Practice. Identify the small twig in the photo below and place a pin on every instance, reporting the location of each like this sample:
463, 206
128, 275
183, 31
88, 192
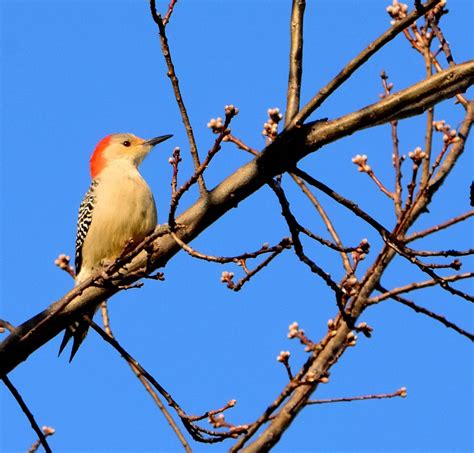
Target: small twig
402, 392
146, 384
240, 144
47, 431
412, 185
399, 248
439, 227
177, 92
63, 262
174, 160
199, 170
167, 17
27, 412
425, 311
298, 248
361, 161
195, 431
195, 418
6, 325
396, 159
227, 276
327, 221
440, 252
343, 201
283, 244
418, 285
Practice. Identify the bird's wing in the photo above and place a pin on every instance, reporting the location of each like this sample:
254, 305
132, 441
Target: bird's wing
83, 222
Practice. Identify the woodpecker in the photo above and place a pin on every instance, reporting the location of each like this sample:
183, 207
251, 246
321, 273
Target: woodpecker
118, 207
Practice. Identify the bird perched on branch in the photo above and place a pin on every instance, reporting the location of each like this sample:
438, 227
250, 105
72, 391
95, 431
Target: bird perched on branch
117, 208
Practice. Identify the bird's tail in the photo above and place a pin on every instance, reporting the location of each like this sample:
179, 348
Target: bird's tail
78, 332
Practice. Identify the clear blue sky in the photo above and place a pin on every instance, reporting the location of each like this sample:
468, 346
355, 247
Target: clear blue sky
73, 72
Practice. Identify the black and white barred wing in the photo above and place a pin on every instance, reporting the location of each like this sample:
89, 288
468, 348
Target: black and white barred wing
84, 222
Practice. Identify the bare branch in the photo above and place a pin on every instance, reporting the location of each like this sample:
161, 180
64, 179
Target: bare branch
177, 91
296, 60
360, 59
47, 431
145, 383
435, 316
167, 17
439, 227
418, 285
402, 392
177, 194
27, 412
195, 431
274, 160
326, 220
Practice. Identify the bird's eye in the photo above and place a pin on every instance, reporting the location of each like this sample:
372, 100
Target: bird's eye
126, 143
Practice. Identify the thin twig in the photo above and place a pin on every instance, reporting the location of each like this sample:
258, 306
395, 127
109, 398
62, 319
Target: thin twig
283, 244
298, 248
425, 311
195, 431
418, 285
296, 60
440, 252
429, 125
47, 431
240, 144
343, 201
27, 412
250, 273
6, 325
326, 220
146, 384
175, 198
167, 17
401, 392
441, 226
177, 93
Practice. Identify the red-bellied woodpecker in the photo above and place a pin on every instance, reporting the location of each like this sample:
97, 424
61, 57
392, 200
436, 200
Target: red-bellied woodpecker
117, 208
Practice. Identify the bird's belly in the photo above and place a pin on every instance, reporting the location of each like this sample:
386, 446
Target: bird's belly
127, 213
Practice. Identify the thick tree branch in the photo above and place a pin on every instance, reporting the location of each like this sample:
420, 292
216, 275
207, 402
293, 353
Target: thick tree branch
279, 157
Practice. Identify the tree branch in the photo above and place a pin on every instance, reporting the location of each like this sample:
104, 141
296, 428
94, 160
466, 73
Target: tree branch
277, 158
27, 412
296, 60
360, 59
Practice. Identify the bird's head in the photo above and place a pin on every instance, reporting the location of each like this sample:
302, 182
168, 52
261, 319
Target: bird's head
121, 147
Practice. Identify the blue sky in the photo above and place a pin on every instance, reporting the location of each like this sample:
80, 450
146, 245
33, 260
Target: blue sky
73, 72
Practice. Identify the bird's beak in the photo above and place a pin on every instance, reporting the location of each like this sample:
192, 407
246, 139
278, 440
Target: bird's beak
156, 140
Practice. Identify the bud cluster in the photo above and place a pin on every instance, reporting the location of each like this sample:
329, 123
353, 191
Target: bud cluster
62, 261
231, 110
283, 356
402, 392
216, 125
417, 155
270, 127
176, 157
293, 330
226, 277
449, 135
397, 11
361, 161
